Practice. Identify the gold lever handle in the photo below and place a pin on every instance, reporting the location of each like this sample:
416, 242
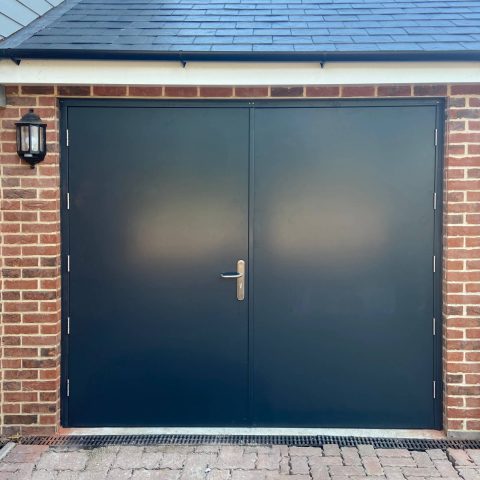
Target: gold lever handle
239, 275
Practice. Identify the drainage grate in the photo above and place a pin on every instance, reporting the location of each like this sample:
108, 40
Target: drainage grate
91, 441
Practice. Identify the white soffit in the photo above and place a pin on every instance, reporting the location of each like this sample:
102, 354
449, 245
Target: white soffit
101, 72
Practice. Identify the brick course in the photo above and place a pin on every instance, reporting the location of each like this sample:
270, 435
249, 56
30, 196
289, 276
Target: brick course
30, 244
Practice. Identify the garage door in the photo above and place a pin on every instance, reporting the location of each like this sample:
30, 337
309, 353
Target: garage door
267, 264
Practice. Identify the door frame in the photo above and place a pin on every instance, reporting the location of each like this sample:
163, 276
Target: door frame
437, 244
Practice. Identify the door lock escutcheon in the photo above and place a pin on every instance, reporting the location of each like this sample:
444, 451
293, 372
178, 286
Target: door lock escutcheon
239, 275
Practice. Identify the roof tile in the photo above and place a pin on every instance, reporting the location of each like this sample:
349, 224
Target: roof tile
263, 25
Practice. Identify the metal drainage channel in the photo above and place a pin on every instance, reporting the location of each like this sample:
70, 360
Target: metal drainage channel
91, 441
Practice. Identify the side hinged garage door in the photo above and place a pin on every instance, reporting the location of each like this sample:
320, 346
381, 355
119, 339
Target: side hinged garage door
252, 263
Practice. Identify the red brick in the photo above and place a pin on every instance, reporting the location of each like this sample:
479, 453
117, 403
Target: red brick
353, 91
216, 91
19, 419
466, 89
109, 91
430, 90
322, 91
145, 91
251, 92
38, 90
287, 91
181, 91
74, 91
394, 91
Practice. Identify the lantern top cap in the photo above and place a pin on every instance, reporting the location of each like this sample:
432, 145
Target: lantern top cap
30, 118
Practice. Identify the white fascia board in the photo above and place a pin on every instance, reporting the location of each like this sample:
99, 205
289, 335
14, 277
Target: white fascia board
101, 72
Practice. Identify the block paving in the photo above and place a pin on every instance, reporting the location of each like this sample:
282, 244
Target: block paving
215, 462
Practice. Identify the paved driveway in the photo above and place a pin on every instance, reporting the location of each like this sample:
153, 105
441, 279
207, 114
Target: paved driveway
237, 463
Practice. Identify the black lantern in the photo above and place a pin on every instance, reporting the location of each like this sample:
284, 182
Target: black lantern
31, 138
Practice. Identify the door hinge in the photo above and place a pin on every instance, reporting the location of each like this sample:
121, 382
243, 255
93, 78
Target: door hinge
434, 326
68, 263
434, 266
68, 387
68, 138
434, 389
68, 200
436, 136
434, 200
68, 325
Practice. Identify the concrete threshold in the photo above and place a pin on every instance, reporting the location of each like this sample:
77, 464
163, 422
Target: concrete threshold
337, 432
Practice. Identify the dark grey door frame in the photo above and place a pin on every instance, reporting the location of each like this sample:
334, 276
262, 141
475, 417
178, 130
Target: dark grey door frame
437, 245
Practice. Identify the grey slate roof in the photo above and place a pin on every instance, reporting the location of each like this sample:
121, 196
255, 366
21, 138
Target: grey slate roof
246, 26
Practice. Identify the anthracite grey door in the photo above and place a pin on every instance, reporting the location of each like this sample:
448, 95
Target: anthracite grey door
158, 210
331, 207
342, 269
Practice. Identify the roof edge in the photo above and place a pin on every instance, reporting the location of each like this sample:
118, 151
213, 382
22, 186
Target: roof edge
17, 55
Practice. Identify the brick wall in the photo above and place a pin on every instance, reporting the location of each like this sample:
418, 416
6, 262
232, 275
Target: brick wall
30, 245
30, 253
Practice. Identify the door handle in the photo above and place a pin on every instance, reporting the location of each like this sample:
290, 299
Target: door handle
239, 276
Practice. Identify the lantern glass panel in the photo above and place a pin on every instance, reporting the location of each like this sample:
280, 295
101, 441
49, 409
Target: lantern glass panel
25, 138
34, 138
41, 138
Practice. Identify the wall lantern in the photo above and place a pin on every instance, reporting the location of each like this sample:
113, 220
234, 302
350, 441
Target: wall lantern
31, 138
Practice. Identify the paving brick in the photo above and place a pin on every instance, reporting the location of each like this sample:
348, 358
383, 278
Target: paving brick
393, 473
196, 465
436, 454
366, 451
350, 456
267, 461
394, 452
467, 473
235, 458
156, 474
119, 474
445, 468
91, 475
474, 455
372, 466
305, 451
23, 470
43, 475
69, 475
101, 460
129, 457
299, 465
285, 465
275, 476
422, 459
331, 450
323, 461
218, 475
420, 472
397, 462
459, 457
52, 460
346, 470
172, 460
248, 475
319, 472
207, 449
151, 460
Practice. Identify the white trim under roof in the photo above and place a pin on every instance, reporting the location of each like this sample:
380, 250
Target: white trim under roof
109, 72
